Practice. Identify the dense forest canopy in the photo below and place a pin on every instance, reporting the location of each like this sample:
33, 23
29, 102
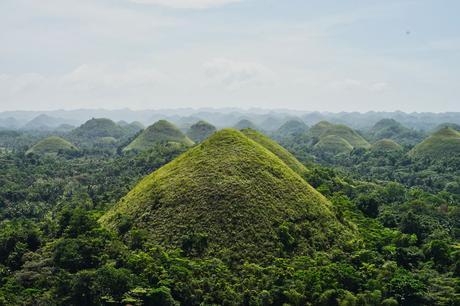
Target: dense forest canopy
119, 212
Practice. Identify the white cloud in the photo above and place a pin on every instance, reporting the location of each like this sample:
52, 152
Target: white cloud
235, 74
187, 4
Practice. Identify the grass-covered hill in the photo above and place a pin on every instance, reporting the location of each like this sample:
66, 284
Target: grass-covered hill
318, 129
245, 124
231, 198
51, 145
447, 124
291, 128
200, 131
333, 144
324, 129
394, 130
161, 131
276, 149
443, 143
386, 145
98, 128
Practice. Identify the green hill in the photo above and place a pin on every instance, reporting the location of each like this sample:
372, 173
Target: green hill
51, 145
447, 124
160, 132
97, 128
291, 128
386, 145
276, 149
200, 131
392, 129
333, 144
231, 198
319, 128
343, 131
245, 124
443, 143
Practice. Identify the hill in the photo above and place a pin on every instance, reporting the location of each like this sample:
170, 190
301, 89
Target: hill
98, 128
276, 149
392, 129
447, 124
231, 198
343, 131
333, 144
386, 145
44, 122
245, 124
200, 131
443, 143
160, 132
291, 128
51, 145
318, 129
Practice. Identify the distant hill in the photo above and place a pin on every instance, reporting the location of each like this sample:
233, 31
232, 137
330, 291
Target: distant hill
443, 143
200, 131
319, 128
230, 198
333, 144
160, 132
392, 129
44, 122
98, 128
51, 145
386, 145
245, 124
291, 128
324, 129
9, 123
447, 124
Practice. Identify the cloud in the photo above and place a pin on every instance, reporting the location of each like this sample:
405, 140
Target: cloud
235, 74
187, 4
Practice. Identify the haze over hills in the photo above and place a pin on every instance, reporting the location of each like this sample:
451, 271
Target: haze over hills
234, 195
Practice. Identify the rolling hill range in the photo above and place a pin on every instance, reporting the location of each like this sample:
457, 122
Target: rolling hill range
200, 131
160, 132
443, 143
51, 145
231, 198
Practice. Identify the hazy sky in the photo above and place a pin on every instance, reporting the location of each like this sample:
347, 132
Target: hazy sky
311, 55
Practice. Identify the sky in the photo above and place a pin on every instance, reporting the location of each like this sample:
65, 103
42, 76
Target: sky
328, 55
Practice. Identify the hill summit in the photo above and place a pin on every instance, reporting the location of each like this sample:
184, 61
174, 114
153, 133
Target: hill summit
443, 143
386, 145
51, 145
161, 131
98, 128
232, 198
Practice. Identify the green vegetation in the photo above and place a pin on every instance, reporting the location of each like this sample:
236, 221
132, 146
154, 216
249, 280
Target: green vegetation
333, 144
200, 131
386, 145
392, 129
97, 128
443, 143
351, 136
231, 221
52, 145
291, 128
160, 132
247, 193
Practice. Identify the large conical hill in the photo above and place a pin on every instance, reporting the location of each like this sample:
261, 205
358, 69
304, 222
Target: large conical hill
96, 128
443, 143
160, 132
347, 133
51, 145
232, 198
386, 145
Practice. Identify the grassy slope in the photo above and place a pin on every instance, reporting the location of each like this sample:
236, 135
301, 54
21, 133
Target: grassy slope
333, 144
161, 131
237, 193
353, 138
443, 143
52, 144
386, 145
99, 127
276, 149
